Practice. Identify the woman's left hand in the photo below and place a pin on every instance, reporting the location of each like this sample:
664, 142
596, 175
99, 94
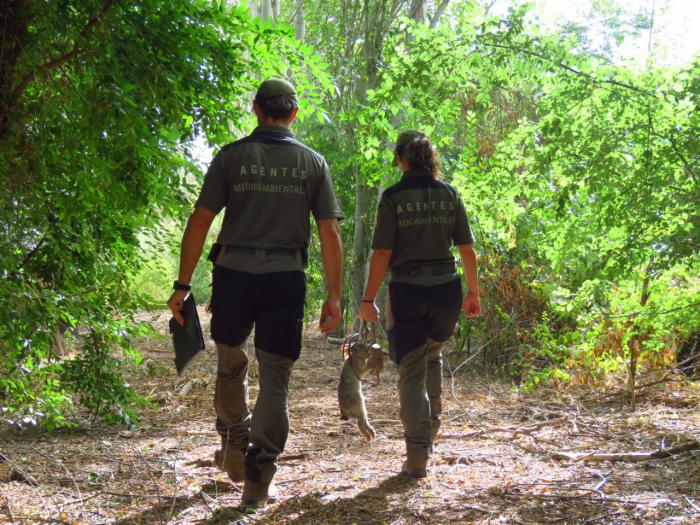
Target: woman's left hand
369, 312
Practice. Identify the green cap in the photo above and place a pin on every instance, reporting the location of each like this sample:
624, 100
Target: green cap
277, 92
402, 141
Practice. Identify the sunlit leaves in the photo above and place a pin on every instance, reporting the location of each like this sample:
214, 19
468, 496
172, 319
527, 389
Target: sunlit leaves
98, 151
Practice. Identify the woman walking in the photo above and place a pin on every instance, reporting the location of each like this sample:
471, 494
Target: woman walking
418, 220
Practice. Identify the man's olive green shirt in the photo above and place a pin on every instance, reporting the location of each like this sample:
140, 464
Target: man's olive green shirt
419, 219
269, 183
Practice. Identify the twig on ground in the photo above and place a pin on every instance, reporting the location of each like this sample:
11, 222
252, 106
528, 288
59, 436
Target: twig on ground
456, 400
515, 430
150, 474
471, 357
632, 457
204, 497
16, 473
476, 508
172, 503
70, 475
690, 502
666, 378
140, 496
397, 520
295, 480
601, 484
620, 437
81, 500
292, 457
8, 508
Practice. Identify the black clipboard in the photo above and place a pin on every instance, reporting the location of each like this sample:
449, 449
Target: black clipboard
188, 340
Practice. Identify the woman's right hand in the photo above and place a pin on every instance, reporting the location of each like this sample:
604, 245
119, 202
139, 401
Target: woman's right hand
369, 312
471, 305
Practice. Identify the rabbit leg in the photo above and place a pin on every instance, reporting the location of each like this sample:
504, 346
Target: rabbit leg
363, 423
366, 429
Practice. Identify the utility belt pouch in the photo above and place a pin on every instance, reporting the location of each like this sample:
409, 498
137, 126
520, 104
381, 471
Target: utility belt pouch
214, 252
304, 256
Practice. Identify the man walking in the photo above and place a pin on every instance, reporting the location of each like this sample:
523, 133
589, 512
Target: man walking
268, 182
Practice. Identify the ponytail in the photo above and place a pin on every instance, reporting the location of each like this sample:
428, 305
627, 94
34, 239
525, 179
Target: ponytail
420, 154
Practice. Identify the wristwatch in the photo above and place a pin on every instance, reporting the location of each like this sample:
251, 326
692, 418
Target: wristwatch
177, 285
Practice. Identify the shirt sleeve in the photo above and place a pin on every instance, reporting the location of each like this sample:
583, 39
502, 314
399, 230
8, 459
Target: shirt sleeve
324, 204
384, 237
462, 231
214, 194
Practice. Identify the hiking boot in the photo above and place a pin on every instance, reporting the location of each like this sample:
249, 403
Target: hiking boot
258, 494
415, 468
232, 462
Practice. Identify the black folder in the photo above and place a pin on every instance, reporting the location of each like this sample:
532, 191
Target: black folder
187, 339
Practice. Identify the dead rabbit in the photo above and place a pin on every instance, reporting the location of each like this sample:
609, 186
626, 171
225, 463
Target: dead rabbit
362, 359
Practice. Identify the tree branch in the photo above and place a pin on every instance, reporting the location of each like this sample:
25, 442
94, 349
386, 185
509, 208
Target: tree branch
60, 60
651, 312
435, 20
572, 69
678, 153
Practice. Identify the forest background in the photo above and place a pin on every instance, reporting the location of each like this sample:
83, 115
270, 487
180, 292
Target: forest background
579, 169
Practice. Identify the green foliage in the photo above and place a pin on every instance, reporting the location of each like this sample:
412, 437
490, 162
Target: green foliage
580, 168
96, 374
580, 175
99, 106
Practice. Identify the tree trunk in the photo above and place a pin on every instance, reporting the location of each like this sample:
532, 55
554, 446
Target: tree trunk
435, 20
373, 37
375, 27
275, 10
417, 11
635, 342
300, 22
14, 22
360, 241
265, 10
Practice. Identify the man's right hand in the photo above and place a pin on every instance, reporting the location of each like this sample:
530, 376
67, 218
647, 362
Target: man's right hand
471, 305
330, 315
177, 299
369, 312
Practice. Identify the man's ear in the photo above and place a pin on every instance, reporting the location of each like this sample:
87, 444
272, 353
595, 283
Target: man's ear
256, 108
294, 114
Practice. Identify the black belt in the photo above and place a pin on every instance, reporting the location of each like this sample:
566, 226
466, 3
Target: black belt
410, 270
291, 252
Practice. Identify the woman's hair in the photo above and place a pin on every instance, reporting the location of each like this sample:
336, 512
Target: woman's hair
419, 153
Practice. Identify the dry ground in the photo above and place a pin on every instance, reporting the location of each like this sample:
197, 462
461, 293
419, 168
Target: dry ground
496, 462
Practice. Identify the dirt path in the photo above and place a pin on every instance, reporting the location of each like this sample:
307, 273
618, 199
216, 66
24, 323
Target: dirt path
495, 463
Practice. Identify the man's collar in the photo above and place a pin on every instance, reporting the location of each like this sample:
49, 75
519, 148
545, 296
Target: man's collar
417, 173
274, 129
